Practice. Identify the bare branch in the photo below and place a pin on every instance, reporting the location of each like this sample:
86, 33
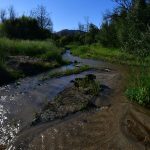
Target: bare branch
43, 18
12, 13
3, 14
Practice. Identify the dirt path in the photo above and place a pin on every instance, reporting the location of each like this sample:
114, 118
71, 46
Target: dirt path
122, 126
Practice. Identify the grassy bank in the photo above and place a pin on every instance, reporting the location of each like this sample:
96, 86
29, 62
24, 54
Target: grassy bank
67, 72
27, 58
44, 49
96, 51
138, 88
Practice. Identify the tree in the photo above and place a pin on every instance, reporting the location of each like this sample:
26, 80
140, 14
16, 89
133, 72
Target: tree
87, 23
124, 4
3, 15
12, 13
93, 28
81, 27
24, 28
43, 18
92, 34
134, 25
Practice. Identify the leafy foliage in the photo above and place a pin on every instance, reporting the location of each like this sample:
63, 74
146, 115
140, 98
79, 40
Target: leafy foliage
24, 28
130, 21
139, 89
36, 26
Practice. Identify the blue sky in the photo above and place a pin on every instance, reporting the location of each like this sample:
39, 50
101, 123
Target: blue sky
65, 13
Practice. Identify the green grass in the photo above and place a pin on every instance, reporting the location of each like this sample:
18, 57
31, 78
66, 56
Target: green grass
138, 89
67, 72
29, 48
96, 51
8, 75
93, 87
46, 50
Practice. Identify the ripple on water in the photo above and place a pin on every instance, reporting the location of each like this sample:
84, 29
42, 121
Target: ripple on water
8, 130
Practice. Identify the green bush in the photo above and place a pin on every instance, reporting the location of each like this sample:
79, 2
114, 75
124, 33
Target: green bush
140, 95
139, 89
24, 28
138, 43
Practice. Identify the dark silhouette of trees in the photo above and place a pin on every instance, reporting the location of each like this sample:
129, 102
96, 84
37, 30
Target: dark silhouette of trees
11, 13
43, 18
3, 14
39, 26
81, 27
24, 28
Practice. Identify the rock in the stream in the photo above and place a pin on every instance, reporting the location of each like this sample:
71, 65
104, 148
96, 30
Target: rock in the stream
107, 70
75, 62
78, 65
91, 77
104, 88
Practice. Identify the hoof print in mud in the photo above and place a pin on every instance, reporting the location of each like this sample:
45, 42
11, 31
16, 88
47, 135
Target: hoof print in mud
137, 128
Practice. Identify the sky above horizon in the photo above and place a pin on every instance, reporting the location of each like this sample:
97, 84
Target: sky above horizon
65, 14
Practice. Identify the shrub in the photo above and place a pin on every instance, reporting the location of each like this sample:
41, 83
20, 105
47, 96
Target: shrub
139, 89
26, 47
24, 28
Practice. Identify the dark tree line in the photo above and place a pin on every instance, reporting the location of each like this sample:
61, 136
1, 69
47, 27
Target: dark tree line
128, 27
36, 26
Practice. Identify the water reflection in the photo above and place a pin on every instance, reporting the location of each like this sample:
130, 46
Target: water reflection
8, 130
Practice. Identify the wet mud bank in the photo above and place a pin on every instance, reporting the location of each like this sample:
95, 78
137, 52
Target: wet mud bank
22, 66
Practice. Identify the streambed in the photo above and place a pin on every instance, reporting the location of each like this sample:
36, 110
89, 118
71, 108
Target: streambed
105, 128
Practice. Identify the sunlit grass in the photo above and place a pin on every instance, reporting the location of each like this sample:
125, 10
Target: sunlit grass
138, 89
96, 51
29, 48
69, 71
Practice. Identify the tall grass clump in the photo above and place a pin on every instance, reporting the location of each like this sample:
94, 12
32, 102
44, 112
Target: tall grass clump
97, 51
138, 89
70, 71
27, 47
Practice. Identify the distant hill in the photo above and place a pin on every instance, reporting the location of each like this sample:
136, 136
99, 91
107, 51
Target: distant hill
68, 32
